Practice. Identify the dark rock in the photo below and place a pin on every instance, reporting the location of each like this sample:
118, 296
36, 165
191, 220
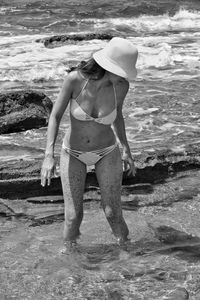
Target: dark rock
21, 178
28, 187
186, 246
142, 188
156, 167
172, 236
23, 110
131, 204
59, 40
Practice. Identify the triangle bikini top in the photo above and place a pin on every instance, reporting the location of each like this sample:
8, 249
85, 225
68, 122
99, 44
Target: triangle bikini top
79, 114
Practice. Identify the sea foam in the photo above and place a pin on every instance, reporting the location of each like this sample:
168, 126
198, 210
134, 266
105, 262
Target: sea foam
162, 42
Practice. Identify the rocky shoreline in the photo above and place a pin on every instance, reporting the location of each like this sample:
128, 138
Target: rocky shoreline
21, 178
23, 110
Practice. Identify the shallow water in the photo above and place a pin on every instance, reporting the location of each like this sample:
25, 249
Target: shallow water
163, 253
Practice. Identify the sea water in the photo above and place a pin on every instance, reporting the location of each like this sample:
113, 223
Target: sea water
162, 105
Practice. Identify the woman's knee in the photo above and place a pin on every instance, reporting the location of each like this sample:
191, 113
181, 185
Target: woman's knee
73, 216
112, 214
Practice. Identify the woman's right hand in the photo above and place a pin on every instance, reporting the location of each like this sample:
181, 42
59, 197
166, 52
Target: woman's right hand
47, 170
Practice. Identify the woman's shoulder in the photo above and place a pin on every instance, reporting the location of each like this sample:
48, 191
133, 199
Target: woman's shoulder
122, 87
73, 78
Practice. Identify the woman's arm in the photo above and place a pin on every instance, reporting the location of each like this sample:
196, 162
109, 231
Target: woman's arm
57, 112
54, 121
119, 127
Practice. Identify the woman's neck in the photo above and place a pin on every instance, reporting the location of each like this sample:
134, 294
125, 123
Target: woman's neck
102, 82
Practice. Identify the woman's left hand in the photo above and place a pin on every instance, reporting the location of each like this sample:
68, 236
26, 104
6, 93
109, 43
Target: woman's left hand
129, 164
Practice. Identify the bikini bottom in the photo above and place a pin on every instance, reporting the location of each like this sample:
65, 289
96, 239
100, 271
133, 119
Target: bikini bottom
90, 157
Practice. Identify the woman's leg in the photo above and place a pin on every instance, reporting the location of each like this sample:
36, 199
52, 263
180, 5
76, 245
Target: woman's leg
109, 174
73, 175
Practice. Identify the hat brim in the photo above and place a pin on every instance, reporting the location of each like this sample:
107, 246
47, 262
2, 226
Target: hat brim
109, 65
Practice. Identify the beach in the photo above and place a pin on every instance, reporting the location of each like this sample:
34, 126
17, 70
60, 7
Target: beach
161, 111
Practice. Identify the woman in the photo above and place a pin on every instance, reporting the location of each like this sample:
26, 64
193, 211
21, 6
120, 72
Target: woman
95, 90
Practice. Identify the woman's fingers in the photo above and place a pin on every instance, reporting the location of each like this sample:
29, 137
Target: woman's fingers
131, 168
47, 170
49, 177
130, 171
45, 177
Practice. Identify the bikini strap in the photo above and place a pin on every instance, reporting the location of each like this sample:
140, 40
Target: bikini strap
84, 86
115, 94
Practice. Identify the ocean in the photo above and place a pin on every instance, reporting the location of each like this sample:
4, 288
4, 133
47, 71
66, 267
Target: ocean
162, 106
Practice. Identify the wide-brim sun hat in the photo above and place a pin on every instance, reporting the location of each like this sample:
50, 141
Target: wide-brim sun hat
118, 57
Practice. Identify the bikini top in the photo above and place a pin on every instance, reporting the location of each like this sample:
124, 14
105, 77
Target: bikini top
79, 114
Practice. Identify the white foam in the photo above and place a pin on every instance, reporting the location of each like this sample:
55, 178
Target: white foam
183, 19
179, 148
27, 60
22, 59
5, 9
148, 140
167, 126
139, 111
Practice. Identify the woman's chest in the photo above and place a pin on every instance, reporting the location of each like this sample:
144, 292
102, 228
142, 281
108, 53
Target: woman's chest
98, 103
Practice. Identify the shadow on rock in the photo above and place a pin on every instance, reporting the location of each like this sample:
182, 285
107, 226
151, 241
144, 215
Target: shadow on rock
187, 245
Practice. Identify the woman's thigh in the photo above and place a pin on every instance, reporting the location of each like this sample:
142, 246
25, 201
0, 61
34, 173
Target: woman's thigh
73, 175
109, 172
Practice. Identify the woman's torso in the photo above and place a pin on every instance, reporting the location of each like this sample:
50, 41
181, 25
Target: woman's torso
93, 109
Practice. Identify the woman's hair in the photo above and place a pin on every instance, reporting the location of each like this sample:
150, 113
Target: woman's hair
89, 68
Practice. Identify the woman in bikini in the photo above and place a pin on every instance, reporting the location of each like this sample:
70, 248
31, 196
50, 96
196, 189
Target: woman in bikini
95, 91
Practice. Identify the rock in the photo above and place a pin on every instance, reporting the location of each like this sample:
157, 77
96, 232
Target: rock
19, 169
179, 275
23, 110
142, 188
59, 40
171, 236
46, 199
185, 245
5, 210
21, 178
36, 214
28, 187
178, 294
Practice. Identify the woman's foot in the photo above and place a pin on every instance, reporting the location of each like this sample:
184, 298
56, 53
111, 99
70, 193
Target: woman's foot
123, 241
69, 247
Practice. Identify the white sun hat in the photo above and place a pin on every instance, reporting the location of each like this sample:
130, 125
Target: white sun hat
118, 57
